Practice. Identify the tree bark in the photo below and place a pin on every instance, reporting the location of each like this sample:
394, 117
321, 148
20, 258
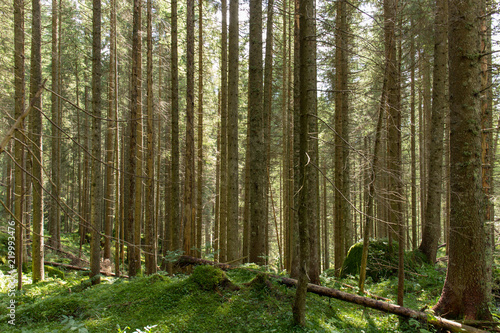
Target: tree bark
233, 244
175, 227
19, 96
256, 145
189, 180
223, 139
95, 188
465, 292
37, 249
55, 144
200, 161
150, 224
431, 231
307, 98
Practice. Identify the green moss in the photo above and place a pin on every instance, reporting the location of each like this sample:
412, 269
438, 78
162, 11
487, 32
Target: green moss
382, 260
54, 272
207, 277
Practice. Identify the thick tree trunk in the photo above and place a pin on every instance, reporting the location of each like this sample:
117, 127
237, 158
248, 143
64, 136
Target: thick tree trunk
465, 293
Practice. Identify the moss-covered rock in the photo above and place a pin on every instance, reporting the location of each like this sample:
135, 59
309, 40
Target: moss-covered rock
382, 260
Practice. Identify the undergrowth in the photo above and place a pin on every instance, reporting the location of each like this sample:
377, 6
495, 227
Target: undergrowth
201, 302
161, 303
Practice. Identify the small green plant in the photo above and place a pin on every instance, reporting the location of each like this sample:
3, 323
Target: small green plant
71, 325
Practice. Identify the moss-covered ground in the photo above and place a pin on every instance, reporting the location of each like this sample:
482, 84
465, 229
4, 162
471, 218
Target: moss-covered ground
198, 303
160, 303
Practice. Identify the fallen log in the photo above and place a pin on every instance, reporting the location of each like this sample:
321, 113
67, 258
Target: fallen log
78, 268
351, 298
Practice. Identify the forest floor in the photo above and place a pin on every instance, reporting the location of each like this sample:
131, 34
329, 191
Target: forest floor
161, 303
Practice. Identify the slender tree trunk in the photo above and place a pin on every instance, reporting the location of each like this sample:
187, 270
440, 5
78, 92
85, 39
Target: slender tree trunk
342, 218
307, 106
233, 245
431, 232
223, 139
139, 168
256, 137
294, 242
19, 96
465, 294
55, 158
267, 113
118, 170
313, 173
175, 222
150, 224
109, 207
413, 146
37, 247
95, 188
199, 195
131, 151
189, 181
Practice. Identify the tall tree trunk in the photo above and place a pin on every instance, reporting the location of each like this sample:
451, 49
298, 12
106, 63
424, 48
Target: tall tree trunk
223, 140
55, 158
256, 137
189, 183
313, 174
175, 226
431, 231
413, 162
294, 242
95, 189
267, 112
342, 218
109, 202
37, 247
130, 158
307, 106
149, 227
139, 168
199, 194
118, 171
487, 152
465, 294
233, 245
19, 96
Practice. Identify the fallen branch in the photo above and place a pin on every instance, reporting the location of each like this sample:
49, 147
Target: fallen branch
352, 298
78, 268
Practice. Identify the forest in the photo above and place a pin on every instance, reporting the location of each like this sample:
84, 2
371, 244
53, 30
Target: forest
249, 166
